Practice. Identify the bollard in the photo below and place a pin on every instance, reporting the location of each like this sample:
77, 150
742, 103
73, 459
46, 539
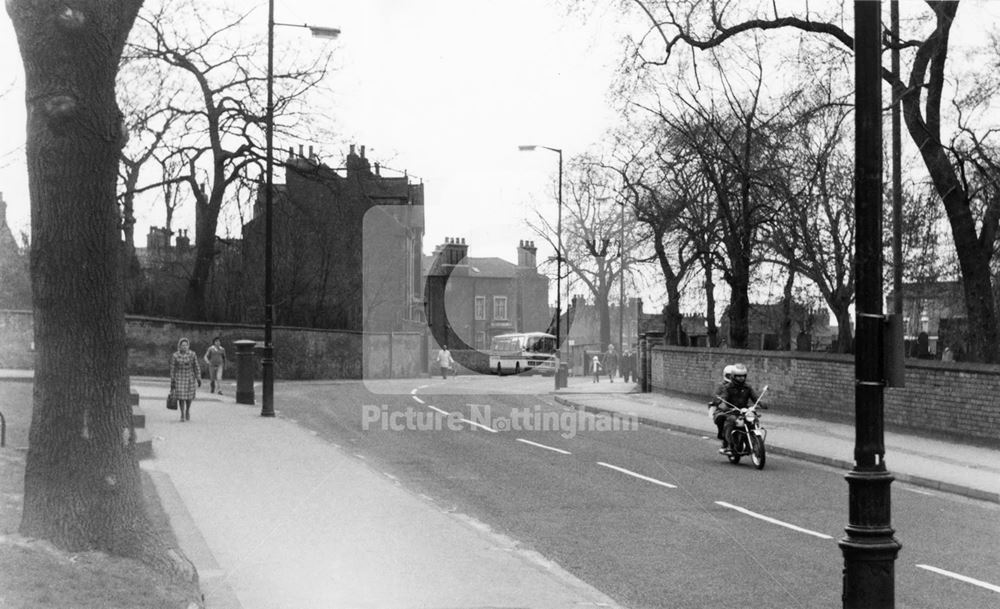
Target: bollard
245, 366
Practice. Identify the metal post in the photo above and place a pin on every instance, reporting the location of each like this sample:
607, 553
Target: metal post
869, 548
621, 285
558, 375
897, 181
267, 355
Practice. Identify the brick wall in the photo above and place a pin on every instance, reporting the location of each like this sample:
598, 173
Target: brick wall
953, 399
300, 353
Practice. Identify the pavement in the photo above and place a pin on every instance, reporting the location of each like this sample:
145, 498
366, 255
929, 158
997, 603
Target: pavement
275, 517
969, 470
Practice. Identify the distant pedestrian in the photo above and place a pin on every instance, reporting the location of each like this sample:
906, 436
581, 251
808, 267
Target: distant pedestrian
444, 361
595, 366
215, 357
611, 363
626, 365
947, 355
185, 376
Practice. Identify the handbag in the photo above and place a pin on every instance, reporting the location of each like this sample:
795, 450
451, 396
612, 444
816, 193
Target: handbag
171, 401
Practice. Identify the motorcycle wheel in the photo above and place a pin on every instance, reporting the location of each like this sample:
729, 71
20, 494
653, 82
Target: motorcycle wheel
757, 453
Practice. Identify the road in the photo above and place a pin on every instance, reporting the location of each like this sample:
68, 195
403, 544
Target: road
651, 517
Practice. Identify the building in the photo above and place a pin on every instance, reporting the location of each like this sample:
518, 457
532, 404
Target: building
470, 300
346, 247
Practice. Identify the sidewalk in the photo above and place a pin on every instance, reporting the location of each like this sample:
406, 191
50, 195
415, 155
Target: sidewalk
963, 469
275, 517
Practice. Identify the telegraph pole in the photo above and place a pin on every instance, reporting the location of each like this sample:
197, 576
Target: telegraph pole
869, 548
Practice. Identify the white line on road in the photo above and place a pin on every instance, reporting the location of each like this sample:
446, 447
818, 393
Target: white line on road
772, 520
639, 476
552, 448
963, 578
419, 401
486, 427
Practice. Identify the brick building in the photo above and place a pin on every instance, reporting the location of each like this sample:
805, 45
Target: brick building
470, 300
346, 247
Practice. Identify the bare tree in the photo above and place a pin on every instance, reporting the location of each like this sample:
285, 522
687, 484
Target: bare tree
593, 248
82, 488
219, 139
663, 192
710, 24
814, 236
734, 144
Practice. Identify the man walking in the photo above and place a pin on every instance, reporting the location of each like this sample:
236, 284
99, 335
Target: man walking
444, 361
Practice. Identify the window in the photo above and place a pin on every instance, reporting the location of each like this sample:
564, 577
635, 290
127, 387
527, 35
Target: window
500, 308
481, 336
480, 307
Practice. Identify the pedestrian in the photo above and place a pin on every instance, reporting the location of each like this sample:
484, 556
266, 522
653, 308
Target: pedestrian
444, 361
611, 363
215, 357
185, 376
626, 365
595, 367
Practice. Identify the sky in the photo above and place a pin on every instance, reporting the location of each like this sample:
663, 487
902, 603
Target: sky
444, 89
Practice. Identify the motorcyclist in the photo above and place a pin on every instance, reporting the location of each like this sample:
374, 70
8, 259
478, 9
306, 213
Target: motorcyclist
713, 411
729, 399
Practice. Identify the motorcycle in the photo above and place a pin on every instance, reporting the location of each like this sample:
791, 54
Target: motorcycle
748, 434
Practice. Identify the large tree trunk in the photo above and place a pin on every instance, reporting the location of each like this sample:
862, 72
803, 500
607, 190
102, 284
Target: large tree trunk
82, 487
672, 317
786, 313
604, 317
973, 255
205, 250
712, 326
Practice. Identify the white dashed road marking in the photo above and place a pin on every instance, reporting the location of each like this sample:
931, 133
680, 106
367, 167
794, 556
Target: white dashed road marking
961, 578
634, 474
552, 448
772, 520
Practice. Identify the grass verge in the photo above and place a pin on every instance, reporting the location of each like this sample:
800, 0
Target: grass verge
36, 575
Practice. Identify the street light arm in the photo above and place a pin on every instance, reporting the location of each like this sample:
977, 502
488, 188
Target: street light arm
317, 30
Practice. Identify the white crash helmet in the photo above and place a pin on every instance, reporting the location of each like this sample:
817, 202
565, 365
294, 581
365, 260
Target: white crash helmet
739, 373
727, 373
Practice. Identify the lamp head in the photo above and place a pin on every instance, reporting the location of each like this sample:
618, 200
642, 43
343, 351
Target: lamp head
329, 33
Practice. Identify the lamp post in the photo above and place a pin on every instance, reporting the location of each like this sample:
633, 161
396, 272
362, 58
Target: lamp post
558, 374
621, 285
267, 355
869, 548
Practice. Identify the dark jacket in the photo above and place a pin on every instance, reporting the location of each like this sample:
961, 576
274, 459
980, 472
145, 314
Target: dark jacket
738, 395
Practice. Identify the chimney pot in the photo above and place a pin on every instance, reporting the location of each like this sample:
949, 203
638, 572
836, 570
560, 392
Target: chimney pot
362, 151
311, 152
300, 150
352, 149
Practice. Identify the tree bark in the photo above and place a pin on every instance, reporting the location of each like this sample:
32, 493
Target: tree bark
82, 488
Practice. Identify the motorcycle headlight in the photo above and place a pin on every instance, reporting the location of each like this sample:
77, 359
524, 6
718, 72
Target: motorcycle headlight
751, 416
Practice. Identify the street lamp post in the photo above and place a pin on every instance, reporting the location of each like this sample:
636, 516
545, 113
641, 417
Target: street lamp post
558, 374
621, 285
869, 548
267, 354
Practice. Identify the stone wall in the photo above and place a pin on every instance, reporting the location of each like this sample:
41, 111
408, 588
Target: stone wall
951, 399
299, 353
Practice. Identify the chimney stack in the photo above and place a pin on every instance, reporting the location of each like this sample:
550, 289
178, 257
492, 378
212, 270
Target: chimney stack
526, 255
454, 252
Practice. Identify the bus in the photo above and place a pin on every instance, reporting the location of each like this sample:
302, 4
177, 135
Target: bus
519, 352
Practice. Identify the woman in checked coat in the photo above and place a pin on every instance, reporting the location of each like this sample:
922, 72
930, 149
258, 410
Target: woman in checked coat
185, 377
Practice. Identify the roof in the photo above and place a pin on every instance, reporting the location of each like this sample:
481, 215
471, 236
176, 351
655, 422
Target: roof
494, 268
